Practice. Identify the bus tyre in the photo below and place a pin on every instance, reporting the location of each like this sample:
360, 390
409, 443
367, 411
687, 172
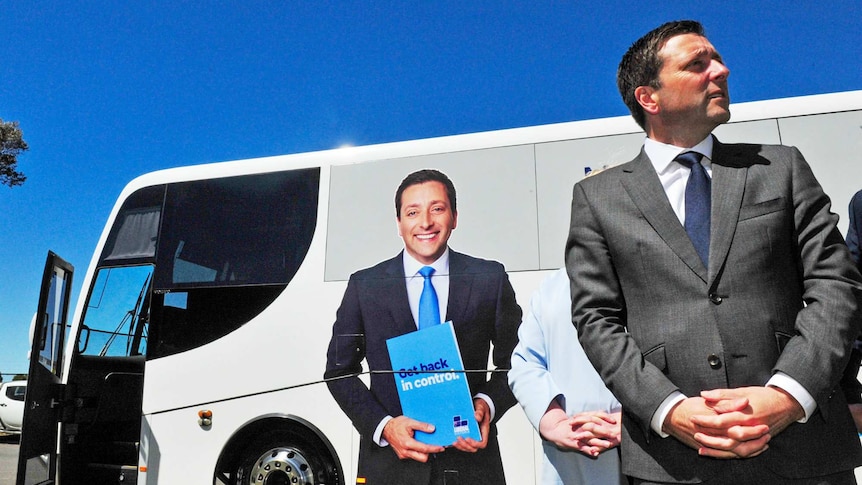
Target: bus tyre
284, 459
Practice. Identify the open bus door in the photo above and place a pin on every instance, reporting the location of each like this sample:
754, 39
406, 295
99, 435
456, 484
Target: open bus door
37, 455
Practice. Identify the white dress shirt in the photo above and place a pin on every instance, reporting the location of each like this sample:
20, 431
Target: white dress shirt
416, 282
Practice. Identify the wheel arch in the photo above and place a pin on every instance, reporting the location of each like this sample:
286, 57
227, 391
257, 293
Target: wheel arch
294, 426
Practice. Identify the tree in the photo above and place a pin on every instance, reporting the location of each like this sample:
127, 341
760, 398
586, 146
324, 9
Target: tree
11, 145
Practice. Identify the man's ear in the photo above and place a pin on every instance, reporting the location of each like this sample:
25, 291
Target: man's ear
647, 97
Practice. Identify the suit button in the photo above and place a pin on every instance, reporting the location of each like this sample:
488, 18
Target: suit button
714, 361
715, 298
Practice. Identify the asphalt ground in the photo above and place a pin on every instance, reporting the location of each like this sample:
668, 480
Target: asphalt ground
8, 458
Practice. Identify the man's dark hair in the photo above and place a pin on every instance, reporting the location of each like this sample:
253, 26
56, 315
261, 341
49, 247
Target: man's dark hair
420, 177
641, 63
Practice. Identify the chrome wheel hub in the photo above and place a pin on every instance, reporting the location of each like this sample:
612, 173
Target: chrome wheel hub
281, 466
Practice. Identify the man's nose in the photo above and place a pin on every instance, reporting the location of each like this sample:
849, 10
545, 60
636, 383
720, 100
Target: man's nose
719, 70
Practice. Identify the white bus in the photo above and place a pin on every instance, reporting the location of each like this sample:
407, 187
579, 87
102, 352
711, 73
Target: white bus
197, 346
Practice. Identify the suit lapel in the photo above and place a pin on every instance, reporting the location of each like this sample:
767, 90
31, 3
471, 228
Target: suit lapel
728, 187
644, 187
460, 284
393, 295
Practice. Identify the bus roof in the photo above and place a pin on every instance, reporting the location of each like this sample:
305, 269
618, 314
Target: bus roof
741, 112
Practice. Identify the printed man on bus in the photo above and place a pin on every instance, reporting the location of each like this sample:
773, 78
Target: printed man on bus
382, 302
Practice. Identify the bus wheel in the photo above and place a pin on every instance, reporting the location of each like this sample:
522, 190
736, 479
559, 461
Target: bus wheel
279, 460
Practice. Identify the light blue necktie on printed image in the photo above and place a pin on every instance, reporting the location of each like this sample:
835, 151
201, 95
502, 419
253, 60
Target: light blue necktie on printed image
429, 307
698, 197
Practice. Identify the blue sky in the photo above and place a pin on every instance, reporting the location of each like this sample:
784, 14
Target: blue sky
105, 91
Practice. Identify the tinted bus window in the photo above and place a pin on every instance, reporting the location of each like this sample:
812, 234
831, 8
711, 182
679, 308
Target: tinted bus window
236, 231
223, 249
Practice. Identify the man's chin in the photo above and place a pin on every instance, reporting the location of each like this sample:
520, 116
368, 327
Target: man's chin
427, 257
720, 116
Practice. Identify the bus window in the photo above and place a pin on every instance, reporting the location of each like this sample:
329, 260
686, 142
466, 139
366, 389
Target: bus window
52, 333
236, 231
223, 250
135, 232
118, 313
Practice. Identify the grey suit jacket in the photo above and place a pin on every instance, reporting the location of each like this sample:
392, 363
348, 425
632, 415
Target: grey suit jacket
780, 294
483, 311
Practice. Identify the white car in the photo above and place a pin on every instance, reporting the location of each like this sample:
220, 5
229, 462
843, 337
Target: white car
12, 406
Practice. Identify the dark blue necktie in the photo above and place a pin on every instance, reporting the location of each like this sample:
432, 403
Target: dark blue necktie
698, 195
429, 307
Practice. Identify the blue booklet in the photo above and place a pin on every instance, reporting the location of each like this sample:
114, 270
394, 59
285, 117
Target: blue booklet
429, 390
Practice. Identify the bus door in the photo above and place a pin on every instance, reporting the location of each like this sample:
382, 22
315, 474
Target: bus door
37, 455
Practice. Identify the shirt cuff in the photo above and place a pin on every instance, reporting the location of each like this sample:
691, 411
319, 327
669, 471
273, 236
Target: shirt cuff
663, 409
795, 389
378, 433
488, 400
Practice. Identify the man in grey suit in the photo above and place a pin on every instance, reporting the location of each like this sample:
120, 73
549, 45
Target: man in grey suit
850, 382
384, 301
712, 291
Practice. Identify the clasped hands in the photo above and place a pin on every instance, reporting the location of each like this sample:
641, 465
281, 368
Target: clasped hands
399, 432
590, 432
732, 423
